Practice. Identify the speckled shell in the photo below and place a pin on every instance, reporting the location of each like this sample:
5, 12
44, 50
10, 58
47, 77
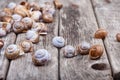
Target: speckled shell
83, 48
69, 51
36, 15
27, 46
41, 28
41, 57
33, 36
96, 51
100, 34
12, 51
58, 41
1, 43
11, 5
6, 26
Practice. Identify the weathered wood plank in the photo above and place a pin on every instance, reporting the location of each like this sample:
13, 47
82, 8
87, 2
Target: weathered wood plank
77, 21
109, 18
26, 70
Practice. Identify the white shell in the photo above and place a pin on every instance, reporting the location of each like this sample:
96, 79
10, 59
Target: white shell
36, 15
7, 26
69, 51
2, 32
16, 17
58, 42
85, 45
28, 21
11, 5
12, 48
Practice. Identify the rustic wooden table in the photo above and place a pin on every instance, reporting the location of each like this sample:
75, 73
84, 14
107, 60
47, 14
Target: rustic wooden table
78, 19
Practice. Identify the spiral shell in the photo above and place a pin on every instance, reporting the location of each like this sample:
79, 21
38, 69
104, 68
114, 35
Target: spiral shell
36, 15
41, 57
47, 17
27, 46
69, 51
58, 42
118, 37
6, 26
16, 17
57, 4
26, 4
18, 27
28, 21
41, 28
33, 36
12, 51
1, 43
100, 34
3, 32
11, 5
34, 6
83, 48
96, 51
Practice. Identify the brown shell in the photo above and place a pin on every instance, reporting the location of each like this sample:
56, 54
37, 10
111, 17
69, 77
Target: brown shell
118, 37
47, 17
1, 43
26, 4
57, 4
82, 51
96, 51
100, 34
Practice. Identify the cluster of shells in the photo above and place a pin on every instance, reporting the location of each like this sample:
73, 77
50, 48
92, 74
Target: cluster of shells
28, 18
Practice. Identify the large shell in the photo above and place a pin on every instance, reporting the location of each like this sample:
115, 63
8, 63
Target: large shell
41, 57
33, 36
100, 34
36, 15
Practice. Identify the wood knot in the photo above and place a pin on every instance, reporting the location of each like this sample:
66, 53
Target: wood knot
99, 66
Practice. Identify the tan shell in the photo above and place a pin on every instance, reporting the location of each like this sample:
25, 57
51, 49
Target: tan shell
96, 51
118, 37
47, 17
100, 34
1, 43
57, 4
26, 4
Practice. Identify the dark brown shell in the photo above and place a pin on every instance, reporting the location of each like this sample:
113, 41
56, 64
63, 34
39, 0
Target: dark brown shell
100, 34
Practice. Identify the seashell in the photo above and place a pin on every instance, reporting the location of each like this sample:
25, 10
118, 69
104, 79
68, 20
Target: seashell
27, 46
18, 27
58, 42
6, 26
69, 51
1, 43
100, 34
36, 15
41, 57
33, 36
96, 51
16, 17
83, 48
118, 37
47, 17
41, 28
3, 32
11, 5
12, 51
21, 10
57, 4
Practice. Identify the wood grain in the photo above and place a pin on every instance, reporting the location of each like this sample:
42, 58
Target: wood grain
26, 70
108, 18
78, 23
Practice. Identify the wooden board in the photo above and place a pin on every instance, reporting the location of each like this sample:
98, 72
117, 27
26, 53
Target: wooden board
108, 18
77, 21
26, 70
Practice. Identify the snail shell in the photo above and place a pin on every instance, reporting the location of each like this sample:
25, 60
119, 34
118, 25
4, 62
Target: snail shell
118, 37
21, 10
18, 27
28, 21
33, 36
8, 11
69, 51
34, 6
11, 5
41, 28
12, 51
58, 42
96, 51
1, 43
3, 32
57, 4
6, 26
26, 4
83, 48
41, 57
27, 46
100, 34
36, 15
16, 17
47, 17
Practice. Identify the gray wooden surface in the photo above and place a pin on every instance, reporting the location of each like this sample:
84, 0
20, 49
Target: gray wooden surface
76, 21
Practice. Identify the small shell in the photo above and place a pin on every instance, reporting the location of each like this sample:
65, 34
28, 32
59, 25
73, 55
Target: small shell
118, 37
36, 15
8, 11
41, 28
6, 26
28, 21
47, 17
12, 51
100, 34
69, 51
11, 5
7, 19
58, 42
34, 6
26, 4
21, 10
57, 4
27, 46
3, 32
96, 51
1, 43
16, 17
33, 36
18, 27
41, 57
83, 48
49, 10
